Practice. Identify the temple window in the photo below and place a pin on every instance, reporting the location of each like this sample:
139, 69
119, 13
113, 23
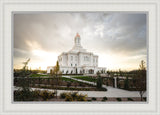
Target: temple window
71, 58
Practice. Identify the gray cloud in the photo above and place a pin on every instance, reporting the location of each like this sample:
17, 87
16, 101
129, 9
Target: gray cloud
100, 32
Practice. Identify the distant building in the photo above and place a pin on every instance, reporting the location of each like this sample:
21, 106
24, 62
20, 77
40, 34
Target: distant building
78, 60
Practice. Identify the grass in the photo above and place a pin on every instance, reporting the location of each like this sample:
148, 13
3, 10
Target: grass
71, 80
38, 75
86, 78
68, 79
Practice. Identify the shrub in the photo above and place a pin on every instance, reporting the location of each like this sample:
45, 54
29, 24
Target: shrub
130, 99
94, 99
63, 95
46, 95
74, 95
144, 98
36, 92
25, 95
68, 84
104, 99
119, 99
81, 97
52, 95
89, 100
68, 98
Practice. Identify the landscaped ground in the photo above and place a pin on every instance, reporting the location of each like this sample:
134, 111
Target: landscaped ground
83, 84
51, 95
86, 78
61, 83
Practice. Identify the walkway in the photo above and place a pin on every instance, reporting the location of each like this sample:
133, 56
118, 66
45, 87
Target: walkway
111, 92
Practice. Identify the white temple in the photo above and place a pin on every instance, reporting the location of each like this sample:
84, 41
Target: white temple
78, 60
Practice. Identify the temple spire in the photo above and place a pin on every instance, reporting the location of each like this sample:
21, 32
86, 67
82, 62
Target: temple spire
77, 40
77, 35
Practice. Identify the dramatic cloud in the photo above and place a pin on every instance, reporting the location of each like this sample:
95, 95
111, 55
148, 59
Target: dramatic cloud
118, 38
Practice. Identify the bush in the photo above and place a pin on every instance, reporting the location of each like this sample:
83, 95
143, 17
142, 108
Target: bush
94, 99
68, 98
81, 97
63, 95
89, 100
73, 96
29, 95
68, 84
46, 95
130, 99
119, 99
144, 98
25, 95
104, 99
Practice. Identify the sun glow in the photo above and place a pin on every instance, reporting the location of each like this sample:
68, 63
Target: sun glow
116, 61
42, 59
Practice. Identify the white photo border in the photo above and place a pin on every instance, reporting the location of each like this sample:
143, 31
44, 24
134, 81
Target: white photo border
10, 6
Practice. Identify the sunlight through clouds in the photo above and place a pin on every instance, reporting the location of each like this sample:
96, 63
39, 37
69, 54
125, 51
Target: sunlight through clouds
119, 39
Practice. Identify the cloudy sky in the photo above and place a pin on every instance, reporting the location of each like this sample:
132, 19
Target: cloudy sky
119, 39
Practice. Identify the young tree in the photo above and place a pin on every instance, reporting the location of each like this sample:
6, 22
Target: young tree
140, 79
57, 74
24, 83
126, 83
99, 80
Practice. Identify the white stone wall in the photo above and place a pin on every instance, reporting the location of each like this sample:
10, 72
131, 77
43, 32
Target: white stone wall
81, 60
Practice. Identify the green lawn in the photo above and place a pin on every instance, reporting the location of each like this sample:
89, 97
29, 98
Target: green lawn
38, 75
71, 80
86, 78
68, 79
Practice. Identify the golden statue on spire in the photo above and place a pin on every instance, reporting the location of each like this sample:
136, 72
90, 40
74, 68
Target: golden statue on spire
77, 35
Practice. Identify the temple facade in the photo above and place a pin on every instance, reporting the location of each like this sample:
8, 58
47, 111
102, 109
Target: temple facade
78, 60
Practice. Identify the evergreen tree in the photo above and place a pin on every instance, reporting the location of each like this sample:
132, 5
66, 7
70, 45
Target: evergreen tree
99, 81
